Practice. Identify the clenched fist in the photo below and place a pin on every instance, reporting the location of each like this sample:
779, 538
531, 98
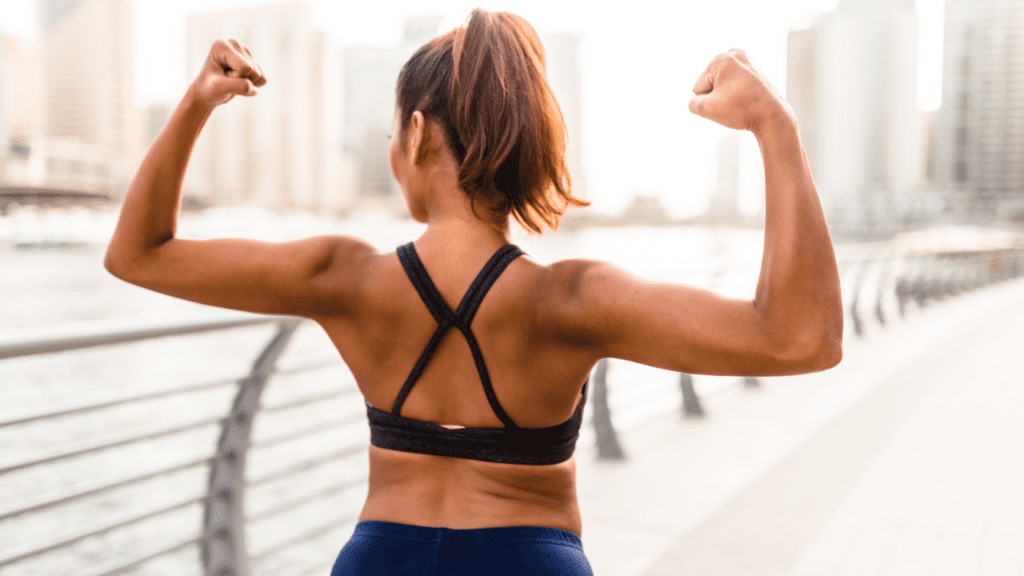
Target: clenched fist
229, 71
733, 93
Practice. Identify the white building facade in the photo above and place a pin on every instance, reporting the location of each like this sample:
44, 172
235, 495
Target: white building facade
371, 75
978, 157
71, 118
5, 106
852, 83
283, 148
561, 53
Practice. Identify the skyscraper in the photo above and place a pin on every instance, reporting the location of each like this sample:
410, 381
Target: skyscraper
723, 205
853, 85
21, 118
561, 52
371, 73
978, 157
5, 112
281, 149
88, 115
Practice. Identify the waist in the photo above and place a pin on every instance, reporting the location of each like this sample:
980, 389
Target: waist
425, 490
471, 536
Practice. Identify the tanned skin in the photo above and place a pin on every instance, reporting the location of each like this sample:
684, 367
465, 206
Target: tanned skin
542, 328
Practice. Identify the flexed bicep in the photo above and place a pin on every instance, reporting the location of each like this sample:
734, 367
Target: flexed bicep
685, 329
308, 277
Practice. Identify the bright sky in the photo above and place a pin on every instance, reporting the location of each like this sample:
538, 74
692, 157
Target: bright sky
638, 64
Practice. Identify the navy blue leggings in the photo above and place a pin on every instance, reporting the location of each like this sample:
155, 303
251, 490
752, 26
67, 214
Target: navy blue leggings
389, 549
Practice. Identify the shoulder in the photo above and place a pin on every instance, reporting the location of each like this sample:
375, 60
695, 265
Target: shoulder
340, 267
579, 281
574, 296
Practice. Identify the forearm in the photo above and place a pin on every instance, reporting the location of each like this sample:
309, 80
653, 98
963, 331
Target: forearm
149, 212
798, 292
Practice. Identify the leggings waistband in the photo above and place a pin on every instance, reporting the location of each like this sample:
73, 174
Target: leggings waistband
380, 529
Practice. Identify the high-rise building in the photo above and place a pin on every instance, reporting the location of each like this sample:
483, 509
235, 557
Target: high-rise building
283, 148
978, 155
155, 117
723, 205
89, 118
852, 83
21, 114
561, 53
371, 73
5, 113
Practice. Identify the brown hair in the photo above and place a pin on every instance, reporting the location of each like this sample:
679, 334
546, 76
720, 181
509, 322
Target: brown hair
485, 85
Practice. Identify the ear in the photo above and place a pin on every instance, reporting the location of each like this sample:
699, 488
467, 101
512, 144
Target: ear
416, 135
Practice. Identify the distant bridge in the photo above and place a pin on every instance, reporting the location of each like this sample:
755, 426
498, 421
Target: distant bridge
40, 196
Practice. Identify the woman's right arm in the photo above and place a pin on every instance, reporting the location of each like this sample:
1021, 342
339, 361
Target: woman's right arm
795, 322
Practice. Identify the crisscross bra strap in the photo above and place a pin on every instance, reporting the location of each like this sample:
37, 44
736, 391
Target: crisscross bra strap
461, 318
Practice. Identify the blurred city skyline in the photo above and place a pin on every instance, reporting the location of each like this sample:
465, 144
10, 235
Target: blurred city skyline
637, 68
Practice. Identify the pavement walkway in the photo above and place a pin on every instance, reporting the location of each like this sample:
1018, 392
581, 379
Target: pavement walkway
907, 459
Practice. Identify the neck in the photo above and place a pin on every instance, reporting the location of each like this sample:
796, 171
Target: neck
462, 233
448, 212
452, 222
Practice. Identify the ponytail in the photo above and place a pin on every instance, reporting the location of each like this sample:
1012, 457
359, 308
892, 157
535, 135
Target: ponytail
485, 85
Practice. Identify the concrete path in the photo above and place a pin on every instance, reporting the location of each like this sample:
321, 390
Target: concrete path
907, 459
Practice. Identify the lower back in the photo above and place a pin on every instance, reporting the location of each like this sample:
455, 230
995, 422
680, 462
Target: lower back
439, 491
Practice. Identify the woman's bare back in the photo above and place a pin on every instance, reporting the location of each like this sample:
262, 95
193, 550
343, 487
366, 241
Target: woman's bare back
536, 382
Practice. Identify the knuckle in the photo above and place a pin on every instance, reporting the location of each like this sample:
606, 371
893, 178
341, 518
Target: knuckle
727, 59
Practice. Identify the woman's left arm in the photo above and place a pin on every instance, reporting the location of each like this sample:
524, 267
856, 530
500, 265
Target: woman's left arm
303, 277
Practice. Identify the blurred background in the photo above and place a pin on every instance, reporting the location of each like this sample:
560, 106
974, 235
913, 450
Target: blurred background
124, 414
879, 87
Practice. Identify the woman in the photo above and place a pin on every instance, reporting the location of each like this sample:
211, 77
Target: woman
475, 383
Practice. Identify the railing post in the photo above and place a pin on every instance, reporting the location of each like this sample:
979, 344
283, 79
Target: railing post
908, 285
883, 279
224, 548
928, 286
608, 447
691, 402
858, 327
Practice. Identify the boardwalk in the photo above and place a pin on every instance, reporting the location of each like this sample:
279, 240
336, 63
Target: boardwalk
906, 460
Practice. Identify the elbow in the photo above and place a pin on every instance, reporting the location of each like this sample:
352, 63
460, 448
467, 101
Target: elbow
112, 264
829, 355
831, 349
129, 262
118, 264
816, 344
812, 351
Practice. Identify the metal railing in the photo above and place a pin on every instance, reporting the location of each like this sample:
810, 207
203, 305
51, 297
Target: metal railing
219, 540
262, 484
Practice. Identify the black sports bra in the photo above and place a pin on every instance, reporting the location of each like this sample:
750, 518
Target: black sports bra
510, 444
